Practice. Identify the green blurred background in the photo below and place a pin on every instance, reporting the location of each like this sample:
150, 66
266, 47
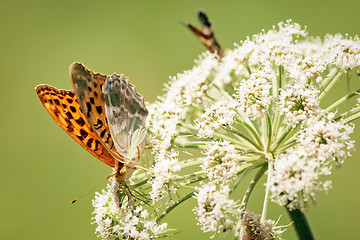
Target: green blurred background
43, 169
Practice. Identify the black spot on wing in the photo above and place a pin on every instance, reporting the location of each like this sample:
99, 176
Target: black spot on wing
102, 134
83, 135
99, 109
69, 115
88, 105
80, 121
89, 142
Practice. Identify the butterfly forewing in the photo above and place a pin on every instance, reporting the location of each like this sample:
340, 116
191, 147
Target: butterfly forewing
125, 110
87, 86
65, 110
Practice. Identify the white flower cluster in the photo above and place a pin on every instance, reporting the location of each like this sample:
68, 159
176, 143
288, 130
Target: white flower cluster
323, 143
169, 111
125, 222
295, 179
165, 168
308, 67
221, 162
277, 45
253, 94
344, 52
326, 140
216, 212
220, 114
298, 103
181, 91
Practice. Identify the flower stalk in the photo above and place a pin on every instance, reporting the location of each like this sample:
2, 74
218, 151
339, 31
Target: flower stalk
301, 225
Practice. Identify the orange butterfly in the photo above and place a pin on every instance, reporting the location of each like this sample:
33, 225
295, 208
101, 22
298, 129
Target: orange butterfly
104, 114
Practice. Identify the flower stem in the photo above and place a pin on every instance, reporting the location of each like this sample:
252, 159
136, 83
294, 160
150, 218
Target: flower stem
251, 129
243, 137
247, 194
284, 134
343, 99
270, 159
301, 225
269, 133
331, 84
169, 209
345, 116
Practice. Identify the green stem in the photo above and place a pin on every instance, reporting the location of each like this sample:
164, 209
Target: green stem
343, 99
345, 116
170, 208
331, 84
139, 184
301, 225
252, 131
269, 133
191, 162
247, 194
270, 159
286, 146
243, 172
277, 84
276, 124
285, 133
329, 77
352, 118
248, 69
243, 137
218, 135
191, 144
229, 139
250, 188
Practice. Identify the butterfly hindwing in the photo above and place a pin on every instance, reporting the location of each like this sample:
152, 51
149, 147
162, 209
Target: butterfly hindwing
126, 112
65, 110
87, 87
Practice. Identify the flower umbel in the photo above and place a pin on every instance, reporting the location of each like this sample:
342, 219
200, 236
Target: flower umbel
261, 108
216, 212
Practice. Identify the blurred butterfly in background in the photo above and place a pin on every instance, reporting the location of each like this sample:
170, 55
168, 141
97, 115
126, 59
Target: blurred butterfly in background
104, 114
206, 36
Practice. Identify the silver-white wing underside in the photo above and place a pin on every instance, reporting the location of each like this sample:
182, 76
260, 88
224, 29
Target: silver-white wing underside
126, 113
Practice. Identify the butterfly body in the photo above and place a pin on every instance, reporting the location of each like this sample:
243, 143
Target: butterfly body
104, 114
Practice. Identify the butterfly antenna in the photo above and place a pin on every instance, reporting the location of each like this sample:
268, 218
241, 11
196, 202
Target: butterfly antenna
74, 201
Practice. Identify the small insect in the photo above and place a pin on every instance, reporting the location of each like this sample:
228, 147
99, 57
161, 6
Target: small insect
104, 114
206, 36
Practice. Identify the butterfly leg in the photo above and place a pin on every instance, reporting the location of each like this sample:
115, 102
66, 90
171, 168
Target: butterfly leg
125, 189
142, 146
